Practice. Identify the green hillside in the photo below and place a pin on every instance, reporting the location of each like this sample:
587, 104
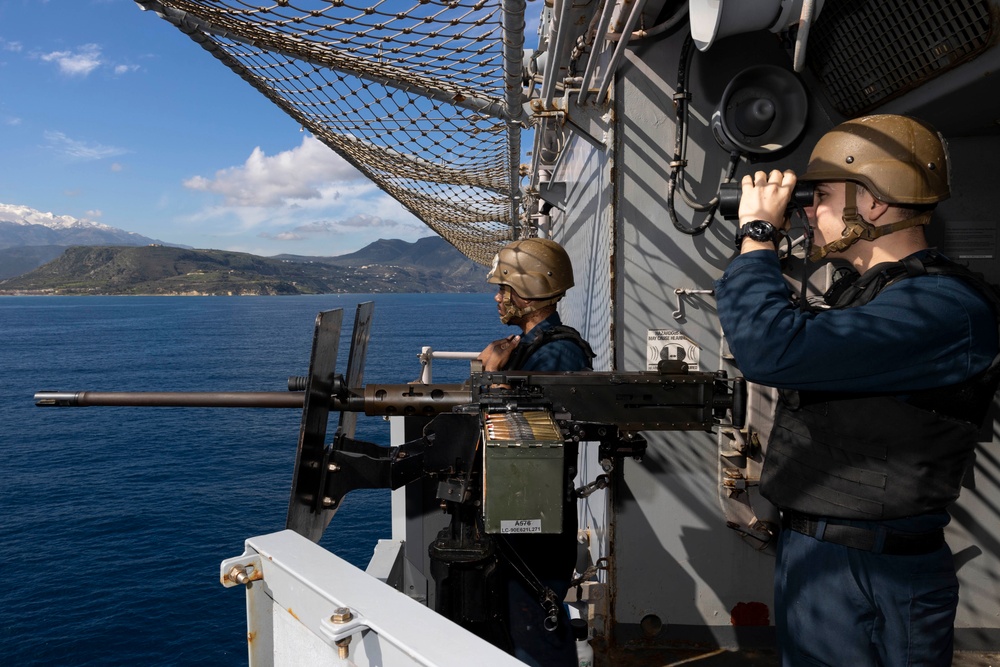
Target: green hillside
168, 271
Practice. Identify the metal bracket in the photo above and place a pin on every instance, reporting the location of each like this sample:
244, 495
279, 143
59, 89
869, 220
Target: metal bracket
342, 624
241, 570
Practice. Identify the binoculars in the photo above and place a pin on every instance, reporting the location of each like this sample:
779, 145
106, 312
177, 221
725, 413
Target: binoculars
729, 198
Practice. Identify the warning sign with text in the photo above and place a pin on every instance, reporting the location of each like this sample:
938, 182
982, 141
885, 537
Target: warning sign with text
671, 345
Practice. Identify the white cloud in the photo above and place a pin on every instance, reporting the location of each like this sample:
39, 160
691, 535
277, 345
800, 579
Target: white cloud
16, 47
365, 221
80, 150
283, 236
306, 200
76, 63
304, 173
352, 224
125, 69
317, 228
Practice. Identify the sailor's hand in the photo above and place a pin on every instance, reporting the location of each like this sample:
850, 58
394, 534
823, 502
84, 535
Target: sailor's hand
765, 197
496, 354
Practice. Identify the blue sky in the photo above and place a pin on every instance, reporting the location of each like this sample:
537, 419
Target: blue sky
110, 114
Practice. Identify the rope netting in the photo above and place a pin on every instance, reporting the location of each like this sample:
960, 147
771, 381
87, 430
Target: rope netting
419, 95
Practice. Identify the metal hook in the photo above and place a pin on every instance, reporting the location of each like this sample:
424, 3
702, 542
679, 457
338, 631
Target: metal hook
680, 291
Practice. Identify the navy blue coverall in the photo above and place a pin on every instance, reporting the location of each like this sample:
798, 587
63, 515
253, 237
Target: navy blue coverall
837, 605
551, 557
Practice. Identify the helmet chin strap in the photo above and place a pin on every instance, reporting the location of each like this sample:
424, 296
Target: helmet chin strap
510, 311
856, 228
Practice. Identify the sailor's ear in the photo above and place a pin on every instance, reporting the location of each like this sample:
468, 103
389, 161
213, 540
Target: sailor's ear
872, 207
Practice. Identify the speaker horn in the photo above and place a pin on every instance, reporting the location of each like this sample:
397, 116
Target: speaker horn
715, 19
763, 109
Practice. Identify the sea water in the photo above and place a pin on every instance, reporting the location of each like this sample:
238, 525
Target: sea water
113, 520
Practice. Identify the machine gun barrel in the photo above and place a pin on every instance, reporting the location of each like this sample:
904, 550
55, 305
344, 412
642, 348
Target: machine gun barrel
376, 399
178, 399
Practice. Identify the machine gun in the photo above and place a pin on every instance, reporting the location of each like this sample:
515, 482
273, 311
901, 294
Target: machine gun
607, 407
501, 447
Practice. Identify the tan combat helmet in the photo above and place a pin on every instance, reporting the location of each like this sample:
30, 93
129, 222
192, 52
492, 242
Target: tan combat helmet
537, 269
900, 160
534, 268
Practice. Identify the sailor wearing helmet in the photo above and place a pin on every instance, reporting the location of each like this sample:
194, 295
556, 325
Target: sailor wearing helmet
532, 275
882, 395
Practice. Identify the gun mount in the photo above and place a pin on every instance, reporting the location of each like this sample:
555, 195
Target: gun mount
518, 431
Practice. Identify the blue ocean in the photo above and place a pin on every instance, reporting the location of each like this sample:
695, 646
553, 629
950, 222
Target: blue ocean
113, 520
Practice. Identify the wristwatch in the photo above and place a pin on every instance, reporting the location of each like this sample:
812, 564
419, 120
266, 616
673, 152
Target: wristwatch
758, 230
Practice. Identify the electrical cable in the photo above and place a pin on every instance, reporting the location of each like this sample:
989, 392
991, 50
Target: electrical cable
677, 166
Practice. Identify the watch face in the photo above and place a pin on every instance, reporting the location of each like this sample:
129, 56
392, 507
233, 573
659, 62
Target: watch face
760, 230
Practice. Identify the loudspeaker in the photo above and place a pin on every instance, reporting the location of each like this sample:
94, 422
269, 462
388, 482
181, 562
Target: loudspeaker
763, 109
715, 19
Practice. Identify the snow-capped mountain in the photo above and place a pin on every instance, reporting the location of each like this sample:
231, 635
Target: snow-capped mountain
30, 238
25, 226
24, 215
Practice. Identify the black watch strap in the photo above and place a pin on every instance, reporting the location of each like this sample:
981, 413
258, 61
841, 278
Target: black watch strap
758, 230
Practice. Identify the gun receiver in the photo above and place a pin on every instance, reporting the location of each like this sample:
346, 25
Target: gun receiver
630, 401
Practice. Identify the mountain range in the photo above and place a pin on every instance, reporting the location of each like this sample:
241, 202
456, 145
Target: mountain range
30, 238
41, 253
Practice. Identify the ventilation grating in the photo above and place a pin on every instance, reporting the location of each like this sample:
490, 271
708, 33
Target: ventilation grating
867, 53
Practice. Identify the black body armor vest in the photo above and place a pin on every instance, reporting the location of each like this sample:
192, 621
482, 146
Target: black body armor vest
878, 457
558, 332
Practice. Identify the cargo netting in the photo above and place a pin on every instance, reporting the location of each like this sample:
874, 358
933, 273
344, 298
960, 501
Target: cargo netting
421, 96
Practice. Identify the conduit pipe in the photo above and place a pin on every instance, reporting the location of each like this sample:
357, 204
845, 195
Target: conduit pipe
633, 18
